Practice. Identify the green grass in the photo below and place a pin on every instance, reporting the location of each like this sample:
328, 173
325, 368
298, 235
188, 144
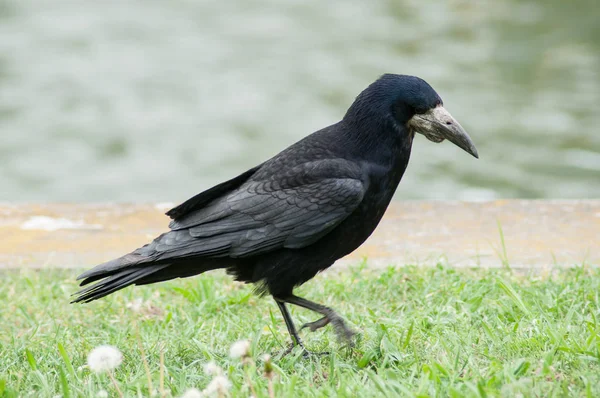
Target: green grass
423, 332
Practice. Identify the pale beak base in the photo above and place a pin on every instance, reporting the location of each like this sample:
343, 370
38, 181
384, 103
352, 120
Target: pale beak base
437, 125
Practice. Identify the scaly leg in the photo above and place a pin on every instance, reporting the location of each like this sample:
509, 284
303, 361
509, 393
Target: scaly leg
329, 316
289, 323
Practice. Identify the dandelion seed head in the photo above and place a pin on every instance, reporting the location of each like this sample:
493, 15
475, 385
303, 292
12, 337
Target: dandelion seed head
104, 358
192, 393
212, 369
240, 349
102, 394
219, 385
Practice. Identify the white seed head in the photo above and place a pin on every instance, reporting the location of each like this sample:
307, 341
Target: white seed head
219, 385
102, 394
266, 358
104, 358
240, 349
135, 305
212, 369
192, 393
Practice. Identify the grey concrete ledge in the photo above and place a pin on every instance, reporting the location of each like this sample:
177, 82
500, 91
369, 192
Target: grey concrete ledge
537, 234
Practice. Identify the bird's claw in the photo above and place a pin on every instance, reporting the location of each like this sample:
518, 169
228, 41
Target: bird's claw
318, 324
342, 330
305, 353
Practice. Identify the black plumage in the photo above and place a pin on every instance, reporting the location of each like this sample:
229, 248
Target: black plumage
280, 223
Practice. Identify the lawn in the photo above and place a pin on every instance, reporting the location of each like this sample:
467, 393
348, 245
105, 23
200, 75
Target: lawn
424, 331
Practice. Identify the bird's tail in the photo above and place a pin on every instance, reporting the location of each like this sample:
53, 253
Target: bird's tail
112, 281
131, 270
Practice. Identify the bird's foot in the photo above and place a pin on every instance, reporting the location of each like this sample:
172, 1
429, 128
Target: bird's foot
318, 324
342, 330
305, 353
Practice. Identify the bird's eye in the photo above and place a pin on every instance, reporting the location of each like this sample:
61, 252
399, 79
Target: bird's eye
419, 110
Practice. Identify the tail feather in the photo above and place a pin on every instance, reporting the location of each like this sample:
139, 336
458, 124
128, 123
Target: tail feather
183, 270
109, 280
112, 267
115, 280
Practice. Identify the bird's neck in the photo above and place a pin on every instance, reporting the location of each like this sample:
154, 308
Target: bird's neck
383, 143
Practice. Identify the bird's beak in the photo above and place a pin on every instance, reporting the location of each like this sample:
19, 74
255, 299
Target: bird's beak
437, 125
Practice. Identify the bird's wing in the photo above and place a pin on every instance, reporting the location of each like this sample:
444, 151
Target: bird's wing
292, 212
207, 196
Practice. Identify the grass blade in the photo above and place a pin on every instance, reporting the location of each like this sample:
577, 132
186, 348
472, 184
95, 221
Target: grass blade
514, 296
64, 383
66, 360
30, 359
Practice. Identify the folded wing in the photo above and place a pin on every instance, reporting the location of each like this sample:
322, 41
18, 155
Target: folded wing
291, 212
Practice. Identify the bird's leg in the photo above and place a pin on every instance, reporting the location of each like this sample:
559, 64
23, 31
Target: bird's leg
329, 316
291, 329
290, 324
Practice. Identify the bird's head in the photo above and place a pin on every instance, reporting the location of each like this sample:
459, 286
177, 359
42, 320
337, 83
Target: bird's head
414, 105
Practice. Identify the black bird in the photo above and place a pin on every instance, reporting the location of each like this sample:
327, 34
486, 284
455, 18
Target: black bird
280, 223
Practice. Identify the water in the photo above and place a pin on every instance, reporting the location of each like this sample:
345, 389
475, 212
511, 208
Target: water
155, 100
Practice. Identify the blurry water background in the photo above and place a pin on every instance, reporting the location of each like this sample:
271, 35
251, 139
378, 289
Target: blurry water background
156, 100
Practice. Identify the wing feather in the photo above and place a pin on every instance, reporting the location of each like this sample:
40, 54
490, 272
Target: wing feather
260, 216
